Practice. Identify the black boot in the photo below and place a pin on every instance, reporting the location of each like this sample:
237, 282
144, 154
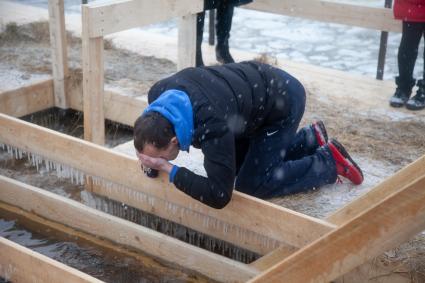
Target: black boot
224, 24
418, 101
199, 34
402, 93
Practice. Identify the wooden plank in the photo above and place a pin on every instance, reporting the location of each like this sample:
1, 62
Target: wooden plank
187, 42
39, 96
354, 208
270, 259
274, 222
59, 50
111, 16
123, 109
94, 117
94, 222
26, 100
386, 225
20, 264
379, 192
118, 108
327, 11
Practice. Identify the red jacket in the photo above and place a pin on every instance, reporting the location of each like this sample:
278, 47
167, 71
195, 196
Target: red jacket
410, 10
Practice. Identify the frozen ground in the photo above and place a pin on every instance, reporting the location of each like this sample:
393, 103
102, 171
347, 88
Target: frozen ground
335, 46
317, 203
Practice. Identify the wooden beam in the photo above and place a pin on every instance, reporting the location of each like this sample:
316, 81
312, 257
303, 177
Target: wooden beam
354, 208
382, 190
111, 16
94, 117
270, 259
162, 198
118, 108
327, 11
78, 216
59, 50
39, 96
386, 225
20, 264
123, 109
26, 100
187, 41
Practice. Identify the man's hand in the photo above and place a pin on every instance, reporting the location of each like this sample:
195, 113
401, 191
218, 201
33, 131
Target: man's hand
155, 163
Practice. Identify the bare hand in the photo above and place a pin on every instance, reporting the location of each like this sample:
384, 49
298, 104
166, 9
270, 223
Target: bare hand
155, 163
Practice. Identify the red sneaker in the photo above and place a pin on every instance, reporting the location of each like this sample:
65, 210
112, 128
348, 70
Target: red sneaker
320, 132
345, 165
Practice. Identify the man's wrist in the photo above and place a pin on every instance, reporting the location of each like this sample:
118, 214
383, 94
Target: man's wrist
167, 167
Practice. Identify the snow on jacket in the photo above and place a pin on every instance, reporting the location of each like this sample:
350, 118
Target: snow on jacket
410, 10
229, 102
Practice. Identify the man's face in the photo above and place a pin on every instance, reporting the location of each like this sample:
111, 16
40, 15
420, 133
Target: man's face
170, 152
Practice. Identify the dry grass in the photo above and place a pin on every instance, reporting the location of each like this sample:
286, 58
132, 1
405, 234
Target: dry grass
38, 32
266, 59
396, 142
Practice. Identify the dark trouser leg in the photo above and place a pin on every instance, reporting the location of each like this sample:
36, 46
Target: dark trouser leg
266, 172
407, 54
224, 25
417, 102
303, 144
199, 35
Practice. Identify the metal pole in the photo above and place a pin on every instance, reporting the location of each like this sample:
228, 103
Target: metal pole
211, 28
383, 48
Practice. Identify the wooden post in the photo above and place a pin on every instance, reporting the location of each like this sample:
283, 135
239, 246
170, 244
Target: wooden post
382, 48
388, 224
187, 41
94, 117
59, 50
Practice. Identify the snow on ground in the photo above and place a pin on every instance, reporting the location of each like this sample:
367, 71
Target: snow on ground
346, 48
318, 203
11, 78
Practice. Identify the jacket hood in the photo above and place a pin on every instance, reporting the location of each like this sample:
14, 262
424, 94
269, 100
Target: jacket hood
176, 107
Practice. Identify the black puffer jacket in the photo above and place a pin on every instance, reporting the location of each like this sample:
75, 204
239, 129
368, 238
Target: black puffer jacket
229, 102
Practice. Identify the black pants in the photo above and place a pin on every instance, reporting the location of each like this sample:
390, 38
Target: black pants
281, 160
223, 26
408, 52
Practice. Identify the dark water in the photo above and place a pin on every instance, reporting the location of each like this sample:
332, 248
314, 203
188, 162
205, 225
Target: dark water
96, 261
70, 122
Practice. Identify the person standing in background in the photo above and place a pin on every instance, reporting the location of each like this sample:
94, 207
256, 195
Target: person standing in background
412, 13
224, 17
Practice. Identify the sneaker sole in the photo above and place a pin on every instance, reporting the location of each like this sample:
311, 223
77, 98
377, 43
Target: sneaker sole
322, 129
344, 153
413, 107
396, 105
